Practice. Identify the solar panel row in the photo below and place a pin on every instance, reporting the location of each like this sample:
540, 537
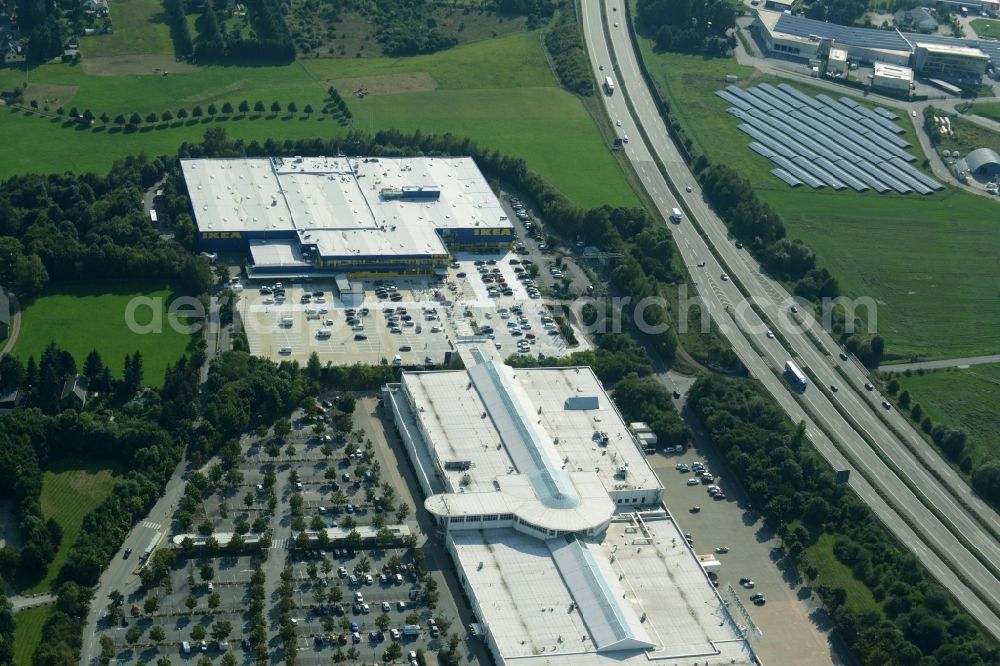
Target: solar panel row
917, 174
787, 177
732, 99
805, 177
841, 175
799, 95
864, 177
886, 113
826, 142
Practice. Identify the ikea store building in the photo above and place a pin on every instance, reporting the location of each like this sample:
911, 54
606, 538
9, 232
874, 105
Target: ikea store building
303, 216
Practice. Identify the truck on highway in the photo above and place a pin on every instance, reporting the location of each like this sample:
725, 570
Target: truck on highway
675, 215
609, 85
795, 376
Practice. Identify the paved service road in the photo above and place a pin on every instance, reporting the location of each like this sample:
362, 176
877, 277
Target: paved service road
929, 535
943, 363
121, 574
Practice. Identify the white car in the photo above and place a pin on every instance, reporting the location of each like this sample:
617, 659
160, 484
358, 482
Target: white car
618, 123
770, 334
692, 482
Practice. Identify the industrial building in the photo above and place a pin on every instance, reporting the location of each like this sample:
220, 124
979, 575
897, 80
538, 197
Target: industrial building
892, 77
554, 520
958, 60
358, 216
837, 62
981, 162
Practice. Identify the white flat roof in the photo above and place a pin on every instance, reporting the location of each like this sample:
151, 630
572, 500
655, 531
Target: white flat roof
626, 598
967, 51
236, 195
276, 253
883, 70
338, 203
451, 412
838, 54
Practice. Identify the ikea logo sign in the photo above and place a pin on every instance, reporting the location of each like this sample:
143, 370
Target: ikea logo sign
492, 232
219, 235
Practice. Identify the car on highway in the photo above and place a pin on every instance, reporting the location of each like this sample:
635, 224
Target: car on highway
886, 404
739, 245
869, 386
701, 264
770, 334
128, 551
833, 387
843, 356
725, 277
618, 123
688, 188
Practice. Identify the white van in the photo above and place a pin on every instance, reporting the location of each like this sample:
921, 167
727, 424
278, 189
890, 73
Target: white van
186, 647
285, 350
675, 214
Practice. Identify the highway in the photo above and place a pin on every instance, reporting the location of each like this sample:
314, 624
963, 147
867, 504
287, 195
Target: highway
763, 356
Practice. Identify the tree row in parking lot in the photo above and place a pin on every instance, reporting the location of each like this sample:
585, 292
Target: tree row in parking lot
915, 620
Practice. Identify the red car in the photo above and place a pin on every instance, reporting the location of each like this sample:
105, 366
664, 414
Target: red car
719, 496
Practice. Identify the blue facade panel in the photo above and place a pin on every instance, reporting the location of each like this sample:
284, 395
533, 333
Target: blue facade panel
233, 241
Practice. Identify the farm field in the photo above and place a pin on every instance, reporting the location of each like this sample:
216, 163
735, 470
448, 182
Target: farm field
875, 245
69, 492
139, 28
28, 631
86, 315
965, 398
499, 92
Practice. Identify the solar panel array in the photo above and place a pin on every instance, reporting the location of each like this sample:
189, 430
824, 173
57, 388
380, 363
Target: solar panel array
825, 142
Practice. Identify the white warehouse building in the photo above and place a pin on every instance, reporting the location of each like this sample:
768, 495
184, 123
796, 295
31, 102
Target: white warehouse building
554, 520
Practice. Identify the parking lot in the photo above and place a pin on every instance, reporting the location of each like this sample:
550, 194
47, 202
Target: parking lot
795, 629
205, 596
406, 321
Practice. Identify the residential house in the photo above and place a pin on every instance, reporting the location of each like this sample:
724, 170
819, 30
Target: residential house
11, 399
75, 392
13, 52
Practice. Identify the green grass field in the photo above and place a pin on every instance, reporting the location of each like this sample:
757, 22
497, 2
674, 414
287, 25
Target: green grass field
836, 574
86, 315
989, 110
988, 28
966, 398
69, 492
28, 632
140, 27
499, 92
929, 306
